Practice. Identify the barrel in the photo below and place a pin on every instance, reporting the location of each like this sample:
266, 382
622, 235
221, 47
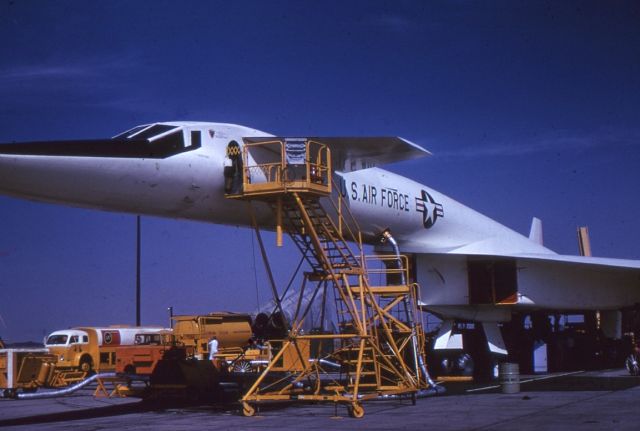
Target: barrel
509, 378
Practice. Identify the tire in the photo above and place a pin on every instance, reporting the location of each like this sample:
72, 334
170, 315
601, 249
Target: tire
248, 410
9, 393
355, 410
86, 364
631, 363
242, 367
464, 364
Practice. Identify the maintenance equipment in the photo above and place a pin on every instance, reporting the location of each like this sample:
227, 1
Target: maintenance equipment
142, 357
188, 339
378, 349
233, 331
87, 349
25, 369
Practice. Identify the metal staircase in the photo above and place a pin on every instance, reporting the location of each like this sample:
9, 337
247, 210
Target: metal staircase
332, 247
378, 348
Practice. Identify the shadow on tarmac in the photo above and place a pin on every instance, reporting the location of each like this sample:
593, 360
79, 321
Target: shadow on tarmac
575, 382
572, 383
113, 410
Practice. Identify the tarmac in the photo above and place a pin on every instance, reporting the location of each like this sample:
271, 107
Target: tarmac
597, 400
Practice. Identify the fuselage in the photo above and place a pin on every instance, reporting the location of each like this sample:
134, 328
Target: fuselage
190, 185
176, 170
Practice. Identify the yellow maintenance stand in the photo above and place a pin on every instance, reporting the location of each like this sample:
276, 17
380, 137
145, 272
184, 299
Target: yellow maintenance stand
378, 349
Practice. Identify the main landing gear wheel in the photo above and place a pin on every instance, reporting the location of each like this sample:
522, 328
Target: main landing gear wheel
248, 410
632, 365
242, 367
356, 410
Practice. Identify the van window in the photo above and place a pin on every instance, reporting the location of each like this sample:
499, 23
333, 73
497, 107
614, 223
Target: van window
74, 339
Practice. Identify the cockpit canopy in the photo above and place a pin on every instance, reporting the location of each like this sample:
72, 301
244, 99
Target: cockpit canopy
153, 141
147, 131
163, 139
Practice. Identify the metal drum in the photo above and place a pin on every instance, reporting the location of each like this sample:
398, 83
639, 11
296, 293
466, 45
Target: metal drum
509, 378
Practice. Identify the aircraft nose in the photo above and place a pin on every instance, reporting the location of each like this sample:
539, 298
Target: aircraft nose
80, 148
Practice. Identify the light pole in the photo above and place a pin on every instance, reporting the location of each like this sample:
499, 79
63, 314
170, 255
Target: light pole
138, 270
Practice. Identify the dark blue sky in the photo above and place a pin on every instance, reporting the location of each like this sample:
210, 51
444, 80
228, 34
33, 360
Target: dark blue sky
530, 109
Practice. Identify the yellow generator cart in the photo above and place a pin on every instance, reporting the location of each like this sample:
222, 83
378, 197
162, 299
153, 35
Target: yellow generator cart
25, 369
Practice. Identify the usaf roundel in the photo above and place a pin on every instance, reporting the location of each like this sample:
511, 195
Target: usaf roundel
429, 208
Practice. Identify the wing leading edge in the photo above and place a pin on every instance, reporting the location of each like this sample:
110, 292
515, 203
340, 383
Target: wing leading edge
354, 153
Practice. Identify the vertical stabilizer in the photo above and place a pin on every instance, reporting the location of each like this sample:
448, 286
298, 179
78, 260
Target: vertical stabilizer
584, 244
535, 234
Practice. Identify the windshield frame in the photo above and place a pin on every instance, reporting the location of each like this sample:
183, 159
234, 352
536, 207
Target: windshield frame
53, 340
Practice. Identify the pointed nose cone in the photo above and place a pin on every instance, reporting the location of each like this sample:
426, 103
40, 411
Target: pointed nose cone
27, 172
124, 175
160, 176
68, 171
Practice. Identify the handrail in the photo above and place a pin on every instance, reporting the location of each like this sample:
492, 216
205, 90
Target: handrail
280, 174
342, 203
387, 269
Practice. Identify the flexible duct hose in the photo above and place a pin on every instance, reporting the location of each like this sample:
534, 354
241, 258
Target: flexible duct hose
386, 236
64, 391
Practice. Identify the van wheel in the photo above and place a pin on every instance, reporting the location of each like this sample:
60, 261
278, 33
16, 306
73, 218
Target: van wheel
86, 364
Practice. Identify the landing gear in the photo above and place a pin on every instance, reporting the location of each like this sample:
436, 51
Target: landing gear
242, 366
456, 363
495, 370
468, 349
481, 366
632, 365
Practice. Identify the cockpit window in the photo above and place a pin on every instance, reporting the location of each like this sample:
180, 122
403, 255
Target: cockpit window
145, 132
57, 339
162, 139
130, 132
153, 141
158, 129
170, 142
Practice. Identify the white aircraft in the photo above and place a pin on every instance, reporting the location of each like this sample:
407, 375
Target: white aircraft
470, 268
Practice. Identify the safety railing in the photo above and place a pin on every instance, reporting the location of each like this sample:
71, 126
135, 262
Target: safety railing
391, 267
347, 226
286, 165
